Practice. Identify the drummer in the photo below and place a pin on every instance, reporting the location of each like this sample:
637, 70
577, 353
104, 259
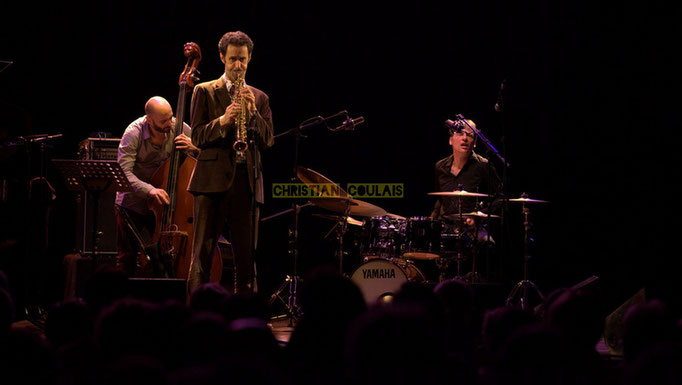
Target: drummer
464, 170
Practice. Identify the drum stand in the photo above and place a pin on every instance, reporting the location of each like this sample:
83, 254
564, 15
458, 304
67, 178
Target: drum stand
524, 285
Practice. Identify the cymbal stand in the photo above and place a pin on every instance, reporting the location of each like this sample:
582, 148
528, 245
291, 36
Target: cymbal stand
290, 283
473, 276
525, 284
341, 227
289, 287
460, 238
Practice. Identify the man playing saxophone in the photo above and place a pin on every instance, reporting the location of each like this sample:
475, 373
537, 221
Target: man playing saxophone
223, 183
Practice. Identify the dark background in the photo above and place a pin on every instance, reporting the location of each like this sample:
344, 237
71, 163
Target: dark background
591, 111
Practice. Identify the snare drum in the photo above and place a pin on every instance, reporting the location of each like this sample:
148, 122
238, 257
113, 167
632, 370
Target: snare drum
422, 238
379, 277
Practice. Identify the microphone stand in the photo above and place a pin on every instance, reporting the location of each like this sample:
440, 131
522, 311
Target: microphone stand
504, 230
499, 156
290, 283
255, 152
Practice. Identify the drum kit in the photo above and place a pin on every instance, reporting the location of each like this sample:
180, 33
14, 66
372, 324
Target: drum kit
393, 248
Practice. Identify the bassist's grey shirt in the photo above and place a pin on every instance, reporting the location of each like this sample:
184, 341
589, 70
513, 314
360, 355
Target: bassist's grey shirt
139, 158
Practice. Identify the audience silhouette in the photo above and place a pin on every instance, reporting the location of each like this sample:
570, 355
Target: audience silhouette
418, 334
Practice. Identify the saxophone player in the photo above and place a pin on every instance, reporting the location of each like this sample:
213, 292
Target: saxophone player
223, 184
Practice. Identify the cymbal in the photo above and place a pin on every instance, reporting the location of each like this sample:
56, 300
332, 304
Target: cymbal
396, 216
458, 193
527, 200
349, 220
479, 214
309, 177
357, 207
353, 221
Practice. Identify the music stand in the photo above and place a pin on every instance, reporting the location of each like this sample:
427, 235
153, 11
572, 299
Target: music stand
95, 177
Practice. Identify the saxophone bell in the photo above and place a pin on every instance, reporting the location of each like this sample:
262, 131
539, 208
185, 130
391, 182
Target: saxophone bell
240, 145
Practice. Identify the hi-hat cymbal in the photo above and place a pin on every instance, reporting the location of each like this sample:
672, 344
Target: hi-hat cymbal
357, 207
458, 193
527, 200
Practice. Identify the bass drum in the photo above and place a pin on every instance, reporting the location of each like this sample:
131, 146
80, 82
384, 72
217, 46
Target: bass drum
379, 277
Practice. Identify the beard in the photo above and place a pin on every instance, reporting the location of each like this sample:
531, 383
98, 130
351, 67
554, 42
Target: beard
160, 129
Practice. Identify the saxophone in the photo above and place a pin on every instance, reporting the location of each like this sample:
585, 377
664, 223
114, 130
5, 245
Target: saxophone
240, 144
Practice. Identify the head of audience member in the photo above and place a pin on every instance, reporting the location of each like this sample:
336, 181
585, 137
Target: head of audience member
645, 325
536, 354
326, 294
457, 300
580, 315
398, 343
500, 323
210, 296
124, 328
68, 321
204, 338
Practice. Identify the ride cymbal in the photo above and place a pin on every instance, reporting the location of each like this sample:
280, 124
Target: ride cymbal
527, 200
458, 193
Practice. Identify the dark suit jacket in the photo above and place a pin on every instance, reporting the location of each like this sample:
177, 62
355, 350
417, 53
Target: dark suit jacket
215, 168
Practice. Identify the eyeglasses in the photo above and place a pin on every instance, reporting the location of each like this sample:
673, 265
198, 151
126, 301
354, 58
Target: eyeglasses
461, 133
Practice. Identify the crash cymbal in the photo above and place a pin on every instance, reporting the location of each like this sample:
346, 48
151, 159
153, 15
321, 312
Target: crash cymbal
310, 177
527, 200
357, 207
458, 193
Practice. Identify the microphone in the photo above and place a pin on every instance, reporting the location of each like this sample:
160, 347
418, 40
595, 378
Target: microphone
455, 126
499, 106
349, 124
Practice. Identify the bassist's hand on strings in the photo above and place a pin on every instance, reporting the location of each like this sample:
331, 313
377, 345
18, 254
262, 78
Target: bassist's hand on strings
183, 142
160, 196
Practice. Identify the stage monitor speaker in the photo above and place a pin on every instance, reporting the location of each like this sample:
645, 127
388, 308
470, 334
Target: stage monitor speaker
613, 328
106, 223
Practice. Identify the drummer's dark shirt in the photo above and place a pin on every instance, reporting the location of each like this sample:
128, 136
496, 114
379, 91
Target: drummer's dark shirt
477, 175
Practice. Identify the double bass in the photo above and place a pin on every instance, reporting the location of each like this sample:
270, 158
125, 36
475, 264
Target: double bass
174, 230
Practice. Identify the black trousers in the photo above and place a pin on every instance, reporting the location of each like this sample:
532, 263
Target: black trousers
229, 211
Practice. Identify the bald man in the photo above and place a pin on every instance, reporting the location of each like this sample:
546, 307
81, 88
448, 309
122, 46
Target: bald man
144, 147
